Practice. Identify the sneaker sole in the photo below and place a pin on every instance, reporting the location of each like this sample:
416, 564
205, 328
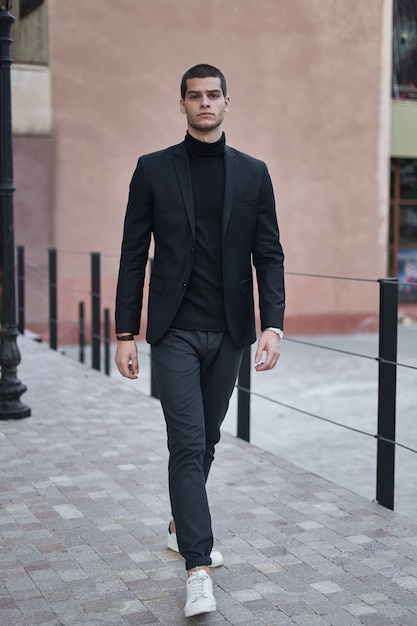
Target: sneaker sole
195, 611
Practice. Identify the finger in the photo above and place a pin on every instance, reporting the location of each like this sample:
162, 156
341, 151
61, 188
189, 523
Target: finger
259, 352
272, 356
261, 367
128, 371
123, 367
132, 374
134, 364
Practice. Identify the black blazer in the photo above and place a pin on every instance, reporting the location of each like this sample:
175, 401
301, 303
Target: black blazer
161, 203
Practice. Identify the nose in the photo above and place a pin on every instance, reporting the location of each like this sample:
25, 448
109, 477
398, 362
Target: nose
205, 101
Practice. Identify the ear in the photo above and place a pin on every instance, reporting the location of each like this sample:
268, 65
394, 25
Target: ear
182, 106
227, 103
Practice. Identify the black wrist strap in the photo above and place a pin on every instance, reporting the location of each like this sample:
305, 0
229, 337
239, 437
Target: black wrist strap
124, 337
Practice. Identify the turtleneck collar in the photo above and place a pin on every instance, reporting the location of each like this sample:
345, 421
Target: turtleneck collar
201, 148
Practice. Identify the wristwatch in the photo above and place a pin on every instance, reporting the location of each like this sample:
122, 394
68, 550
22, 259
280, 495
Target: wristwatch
277, 331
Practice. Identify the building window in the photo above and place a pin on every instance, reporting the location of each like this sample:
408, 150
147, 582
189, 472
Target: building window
30, 32
404, 50
27, 6
403, 227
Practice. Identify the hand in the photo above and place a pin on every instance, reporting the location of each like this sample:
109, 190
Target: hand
269, 342
127, 359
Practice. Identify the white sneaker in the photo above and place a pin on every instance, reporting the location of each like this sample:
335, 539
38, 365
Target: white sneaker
216, 556
200, 597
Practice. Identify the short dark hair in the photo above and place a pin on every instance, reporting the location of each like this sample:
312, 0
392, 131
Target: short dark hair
202, 70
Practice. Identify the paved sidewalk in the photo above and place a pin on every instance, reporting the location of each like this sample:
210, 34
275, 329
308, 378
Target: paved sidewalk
84, 512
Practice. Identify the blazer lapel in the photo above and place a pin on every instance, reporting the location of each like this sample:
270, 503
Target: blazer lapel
183, 172
231, 168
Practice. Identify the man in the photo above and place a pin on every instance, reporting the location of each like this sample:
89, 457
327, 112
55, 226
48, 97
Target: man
211, 211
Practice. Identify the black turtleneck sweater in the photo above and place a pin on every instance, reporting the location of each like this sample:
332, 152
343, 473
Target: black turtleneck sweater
202, 307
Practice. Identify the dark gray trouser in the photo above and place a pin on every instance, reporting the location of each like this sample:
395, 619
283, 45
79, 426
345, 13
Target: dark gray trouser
195, 374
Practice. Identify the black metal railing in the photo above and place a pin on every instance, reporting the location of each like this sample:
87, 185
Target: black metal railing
386, 359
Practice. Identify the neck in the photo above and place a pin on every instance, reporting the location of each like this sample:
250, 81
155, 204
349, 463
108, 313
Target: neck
206, 136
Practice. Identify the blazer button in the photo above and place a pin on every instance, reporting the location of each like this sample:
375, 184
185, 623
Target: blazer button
184, 285
192, 250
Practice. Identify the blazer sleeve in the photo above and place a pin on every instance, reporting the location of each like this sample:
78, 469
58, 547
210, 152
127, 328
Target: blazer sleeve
134, 252
268, 258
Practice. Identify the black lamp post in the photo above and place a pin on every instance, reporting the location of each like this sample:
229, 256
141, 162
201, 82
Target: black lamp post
10, 386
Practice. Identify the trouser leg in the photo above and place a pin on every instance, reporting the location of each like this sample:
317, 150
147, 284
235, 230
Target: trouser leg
182, 362
217, 384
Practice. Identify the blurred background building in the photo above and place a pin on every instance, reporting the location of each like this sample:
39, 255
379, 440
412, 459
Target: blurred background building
324, 91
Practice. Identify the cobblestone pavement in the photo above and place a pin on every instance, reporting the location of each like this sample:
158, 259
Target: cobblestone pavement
84, 513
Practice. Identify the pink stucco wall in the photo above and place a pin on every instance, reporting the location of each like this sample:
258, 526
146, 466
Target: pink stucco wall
33, 218
309, 95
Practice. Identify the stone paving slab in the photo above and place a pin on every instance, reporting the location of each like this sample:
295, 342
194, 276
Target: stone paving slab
84, 512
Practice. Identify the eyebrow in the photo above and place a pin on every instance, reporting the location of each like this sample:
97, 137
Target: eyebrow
197, 91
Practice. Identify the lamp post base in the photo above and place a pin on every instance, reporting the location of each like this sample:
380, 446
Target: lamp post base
10, 386
14, 410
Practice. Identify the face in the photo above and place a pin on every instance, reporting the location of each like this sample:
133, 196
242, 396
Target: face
204, 105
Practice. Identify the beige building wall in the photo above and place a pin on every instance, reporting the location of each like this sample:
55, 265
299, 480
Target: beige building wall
309, 82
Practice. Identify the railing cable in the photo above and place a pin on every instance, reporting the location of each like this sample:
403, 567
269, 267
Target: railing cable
325, 419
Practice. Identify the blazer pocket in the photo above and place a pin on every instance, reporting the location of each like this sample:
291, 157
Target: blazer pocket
246, 286
156, 284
